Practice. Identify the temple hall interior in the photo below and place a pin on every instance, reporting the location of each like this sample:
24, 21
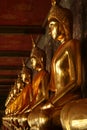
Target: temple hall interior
24, 36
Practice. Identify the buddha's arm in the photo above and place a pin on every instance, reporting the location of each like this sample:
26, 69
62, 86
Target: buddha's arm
65, 67
42, 94
65, 74
45, 87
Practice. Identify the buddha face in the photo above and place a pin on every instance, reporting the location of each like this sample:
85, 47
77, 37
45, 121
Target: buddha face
53, 29
18, 85
33, 62
23, 76
56, 30
14, 91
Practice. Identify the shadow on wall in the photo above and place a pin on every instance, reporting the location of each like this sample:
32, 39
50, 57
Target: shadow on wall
1, 115
84, 61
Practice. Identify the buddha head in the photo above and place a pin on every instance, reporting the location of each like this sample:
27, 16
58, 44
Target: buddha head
26, 74
60, 22
38, 58
19, 83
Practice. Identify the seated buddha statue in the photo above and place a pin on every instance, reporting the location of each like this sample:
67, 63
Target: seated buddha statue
73, 115
41, 76
25, 97
10, 99
66, 70
23, 92
19, 85
39, 82
27, 93
11, 102
11, 95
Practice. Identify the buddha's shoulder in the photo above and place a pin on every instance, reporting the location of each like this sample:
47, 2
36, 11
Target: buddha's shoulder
73, 41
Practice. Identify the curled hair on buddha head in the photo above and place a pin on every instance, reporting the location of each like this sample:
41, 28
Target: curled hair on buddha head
63, 16
38, 54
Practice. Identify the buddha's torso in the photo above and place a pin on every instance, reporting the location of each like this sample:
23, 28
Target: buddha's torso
40, 87
66, 68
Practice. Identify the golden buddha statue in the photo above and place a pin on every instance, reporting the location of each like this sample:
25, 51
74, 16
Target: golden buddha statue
73, 116
13, 95
41, 77
39, 82
66, 67
22, 95
25, 96
66, 70
26, 75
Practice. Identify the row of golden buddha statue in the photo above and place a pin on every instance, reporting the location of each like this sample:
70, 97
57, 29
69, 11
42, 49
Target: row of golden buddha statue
50, 100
